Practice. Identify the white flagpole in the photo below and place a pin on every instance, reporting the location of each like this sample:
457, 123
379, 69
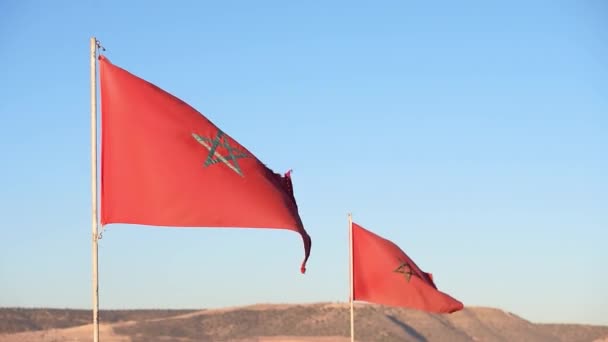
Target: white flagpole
94, 187
352, 288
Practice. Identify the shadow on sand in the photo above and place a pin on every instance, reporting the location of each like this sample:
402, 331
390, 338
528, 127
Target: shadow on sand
408, 330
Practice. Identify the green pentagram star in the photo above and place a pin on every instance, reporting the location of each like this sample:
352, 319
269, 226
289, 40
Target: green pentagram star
214, 157
405, 269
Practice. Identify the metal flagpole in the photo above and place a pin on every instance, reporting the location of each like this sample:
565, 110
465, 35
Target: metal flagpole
94, 187
352, 288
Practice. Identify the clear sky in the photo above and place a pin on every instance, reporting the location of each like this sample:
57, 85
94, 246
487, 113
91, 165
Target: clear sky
471, 133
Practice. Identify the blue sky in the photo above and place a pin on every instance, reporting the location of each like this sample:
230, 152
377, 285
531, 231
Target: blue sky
472, 134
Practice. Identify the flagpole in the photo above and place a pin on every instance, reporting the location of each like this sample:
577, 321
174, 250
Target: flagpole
351, 285
94, 187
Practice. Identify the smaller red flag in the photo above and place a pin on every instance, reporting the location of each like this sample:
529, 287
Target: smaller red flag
384, 274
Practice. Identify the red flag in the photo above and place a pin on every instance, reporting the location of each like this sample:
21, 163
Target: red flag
384, 274
164, 164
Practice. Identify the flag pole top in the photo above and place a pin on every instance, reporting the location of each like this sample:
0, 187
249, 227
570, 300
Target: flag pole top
98, 45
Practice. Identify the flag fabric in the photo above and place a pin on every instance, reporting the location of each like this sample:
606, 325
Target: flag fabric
165, 164
384, 274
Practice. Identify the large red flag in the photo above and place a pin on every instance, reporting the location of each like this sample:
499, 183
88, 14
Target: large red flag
384, 274
165, 164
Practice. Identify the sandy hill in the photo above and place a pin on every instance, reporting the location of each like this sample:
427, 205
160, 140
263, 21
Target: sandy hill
321, 322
